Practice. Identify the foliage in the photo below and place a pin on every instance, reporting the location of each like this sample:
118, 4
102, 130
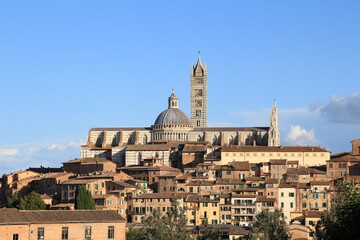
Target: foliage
83, 199
269, 226
170, 226
135, 234
32, 201
342, 221
13, 201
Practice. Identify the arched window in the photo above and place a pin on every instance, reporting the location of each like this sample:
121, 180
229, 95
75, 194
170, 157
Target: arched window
214, 140
231, 140
199, 138
145, 139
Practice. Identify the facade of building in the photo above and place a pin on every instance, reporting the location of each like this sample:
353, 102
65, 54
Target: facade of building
61, 224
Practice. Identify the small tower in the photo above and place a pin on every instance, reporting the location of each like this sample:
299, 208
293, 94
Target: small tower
198, 95
173, 100
274, 135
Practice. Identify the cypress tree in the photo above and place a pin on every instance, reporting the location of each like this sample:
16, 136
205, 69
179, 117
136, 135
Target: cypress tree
83, 199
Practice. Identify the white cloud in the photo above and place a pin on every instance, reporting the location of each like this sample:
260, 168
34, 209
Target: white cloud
341, 109
301, 136
48, 153
9, 151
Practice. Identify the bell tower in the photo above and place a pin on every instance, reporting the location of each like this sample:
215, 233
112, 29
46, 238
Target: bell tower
198, 95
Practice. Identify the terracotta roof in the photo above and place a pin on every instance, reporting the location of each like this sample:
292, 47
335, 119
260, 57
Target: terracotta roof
11, 215
200, 198
321, 183
277, 161
313, 214
89, 161
346, 158
304, 185
222, 181
79, 181
272, 149
200, 183
286, 185
304, 171
272, 180
292, 162
188, 148
265, 199
124, 184
235, 230
57, 216
161, 195
236, 166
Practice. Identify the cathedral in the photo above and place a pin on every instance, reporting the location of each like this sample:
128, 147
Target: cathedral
174, 133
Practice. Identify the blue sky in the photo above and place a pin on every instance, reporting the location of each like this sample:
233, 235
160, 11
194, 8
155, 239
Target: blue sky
68, 66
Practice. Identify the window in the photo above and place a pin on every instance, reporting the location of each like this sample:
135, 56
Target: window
198, 113
111, 232
324, 205
282, 194
315, 195
88, 233
15, 236
64, 233
214, 213
41, 233
198, 123
205, 204
303, 205
330, 165
198, 103
282, 204
214, 222
291, 205
291, 194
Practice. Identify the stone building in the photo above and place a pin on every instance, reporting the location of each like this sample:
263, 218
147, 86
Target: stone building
128, 146
60, 224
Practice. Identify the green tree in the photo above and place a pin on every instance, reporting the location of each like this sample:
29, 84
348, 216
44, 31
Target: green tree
135, 234
13, 201
32, 201
170, 226
342, 221
83, 199
269, 226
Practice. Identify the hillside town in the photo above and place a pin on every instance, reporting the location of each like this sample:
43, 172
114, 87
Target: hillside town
223, 177
225, 187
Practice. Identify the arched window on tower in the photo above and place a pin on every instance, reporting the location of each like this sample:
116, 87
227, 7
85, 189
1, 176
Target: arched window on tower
198, 123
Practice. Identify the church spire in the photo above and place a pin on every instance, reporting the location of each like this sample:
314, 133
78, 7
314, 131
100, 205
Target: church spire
274, 135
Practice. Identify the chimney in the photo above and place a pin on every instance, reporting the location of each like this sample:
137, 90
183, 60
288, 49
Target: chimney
356, 147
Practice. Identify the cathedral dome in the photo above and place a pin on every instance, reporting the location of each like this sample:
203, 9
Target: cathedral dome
171, 117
